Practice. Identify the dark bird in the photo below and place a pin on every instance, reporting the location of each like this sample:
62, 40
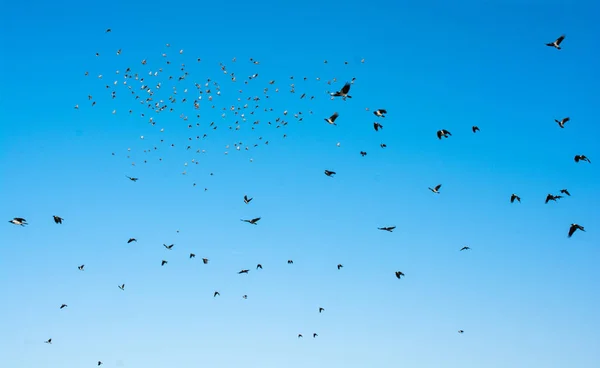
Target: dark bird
331, 119
340, 266
290, 261
382, 145
436, 190
99, 363
556, 44
168, 246
192, 255
216, 293
253, 221
343, 93
57, 220
321, 310
122, 287
575, 227
131, 240
460, 331
299, 335
259, 266
315, 335
399, 274
561, 123
63, 306
551, 197
19, 221
377, 126
564, 191
247, 200
330, 173
380, 113
49, 341
464, 248
81, 267
108, 30
243, 271
582, 158
363, 153
443, 133
205, 260
132, 179
475, 128
513, 197
387, 228
163, 262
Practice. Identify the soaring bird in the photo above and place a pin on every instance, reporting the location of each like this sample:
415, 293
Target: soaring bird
63, 306
399, 274
321, 309
99, 363
387, 228
564, 191
169, 247
131, 240
247, 200
315, 335
363, 153
436, 190
163, 262
205, 260
464, 248
343, 93
299, 335
575, 227
259, 266
331, 119
460, 331
475, 128
443, 133
216, 293
561, 123
122, 287
329, 173
108, 30
192, 255
377, 126
243, 271
340, 266
80, 267
381, 113
290, 261
582, 158
513, 197
19, 221
49, 341
132, 179
551, 197
556, 44
58, 220
253, 221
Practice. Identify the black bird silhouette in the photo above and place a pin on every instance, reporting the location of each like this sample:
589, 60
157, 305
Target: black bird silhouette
19, 221
247, 200
131, 240
63, 306
168, 246
551, 197
399, 274
436, 190
99, 363
564, 191
58, 220
259, 266
290, 261
475, 128
340, 266
49, 341
81, 267
363, 153
556, 43
561, 123
575, 227
343, 93
377, 126
460, 331
330, 173
513, 197
315, 335
464, 248
443, 133
205, 260
163, 262
331, 119
243, 271
299, 335
216, 293
253, 221
321, 309
387, 228
122, 287
192, 255
381, 113
132, 179
582, 158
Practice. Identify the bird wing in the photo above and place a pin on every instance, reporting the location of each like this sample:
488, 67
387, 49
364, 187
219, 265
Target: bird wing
572, 230
334, 116
560, 39
439, 134
346, 88
566, 119
437, 187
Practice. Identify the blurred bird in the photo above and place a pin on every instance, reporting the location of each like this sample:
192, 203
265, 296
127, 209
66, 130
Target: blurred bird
399, 274
343, 93
254, 221
582, 158
340, 266
63, 306
192, 255
80, 267
49, 341
564, 191
259, 266
163, 262
475, 128
169, 247
290, 261
380, 113
330, 173
19, 221
132, 179
205, 260
247, 200
513, 197
464, 248
243, 271
331, 119
561, 123
575, 227
216, 293
131, 240
377, 126
443, 133
387, 228
556, 44
321, 310
122, 287
436, 190
57, 220
551, 197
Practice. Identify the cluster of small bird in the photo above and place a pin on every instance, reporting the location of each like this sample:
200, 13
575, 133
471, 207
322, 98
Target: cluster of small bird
147, 94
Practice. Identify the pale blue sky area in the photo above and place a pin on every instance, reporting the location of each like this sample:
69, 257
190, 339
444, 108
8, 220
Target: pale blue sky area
525, 294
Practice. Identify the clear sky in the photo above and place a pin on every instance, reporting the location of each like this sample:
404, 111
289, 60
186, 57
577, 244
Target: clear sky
525, 295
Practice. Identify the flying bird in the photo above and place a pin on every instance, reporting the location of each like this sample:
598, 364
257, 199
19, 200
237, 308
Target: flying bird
475, 128
340, 266
19, 221
513, 197
331, 119
380, 113
49, 341
80, 267
99, 363
63, 306
205, 260
169, 247
564, 191
192, 255
132, 179
556, 44
163, 262
315, 335
299, 335
387, 228
582, 158
330, 173
443, 133
321, 309
460, 331
551, 197
243, 271
561, 123
290, 261
575, 227
247, 200
377, 126
122, 287
363, 153
436, 190
259, 266
216, 293
399, 274
343, 93
464, 248
254, 221
131, 240
58, 220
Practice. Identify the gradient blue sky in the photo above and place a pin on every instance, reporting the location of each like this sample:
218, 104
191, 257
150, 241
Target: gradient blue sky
525, 295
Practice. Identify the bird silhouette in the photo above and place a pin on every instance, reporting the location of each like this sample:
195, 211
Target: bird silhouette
573, 228
253, 221
556, 43
387, 228
57, 220
513, 197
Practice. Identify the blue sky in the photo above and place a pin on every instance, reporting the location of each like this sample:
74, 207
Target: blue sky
525, 294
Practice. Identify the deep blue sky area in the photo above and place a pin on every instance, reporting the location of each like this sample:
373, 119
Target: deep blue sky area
525, 294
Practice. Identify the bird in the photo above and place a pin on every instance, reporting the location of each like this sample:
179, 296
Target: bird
205, 260
63, 306
19, 221
331, 119
243, 271
513, 197
464, 248
57, 220
564, 191
132, 179
163, 262
377, 126
216, 293
399, 274
131, 240
192, 255
381, 113
575, 227
80, 267
363, 153
254, 221
49, 341
315, 335
169, 247
475, 128
343, 93
321, 309
259, 266
383, 145
247, 200
436, 190
582, 158
99, 363
443, 133
300, 335
340, 266
556, 44
551, 197
122, 287
460, 331
561, 123
108, 30
330, 173
290, 261
387, 228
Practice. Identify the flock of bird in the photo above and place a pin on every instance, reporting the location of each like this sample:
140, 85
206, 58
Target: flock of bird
240, 115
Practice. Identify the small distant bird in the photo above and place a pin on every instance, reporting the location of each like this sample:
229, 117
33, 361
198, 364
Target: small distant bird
49, 341
380, 113
63, 306
460, 331
19, 221
436, 190
300, 335
363, 153
582, 158
475, 128
556, 44
331, 119
315, 335
58, 220
443, 133
321, 310
247, 200
99, 363
377, 126
343, 93
122, 287
163, 262
564, 191
81, 267
575, 227
399, 274
387, 228
561, 123
243, 271
132, 179
290, 261
464, 248
108, 30
131, 240
192, 255
254, 221
383, 145
169, 247
513, 197
216, 293
330, 173
259, 266
340, 266
551, 197
205, 260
